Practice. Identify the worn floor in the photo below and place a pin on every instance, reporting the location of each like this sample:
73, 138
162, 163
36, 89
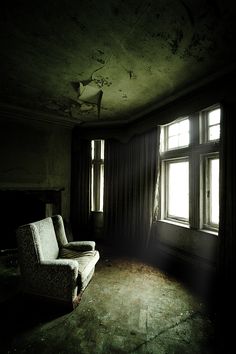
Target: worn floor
129, 307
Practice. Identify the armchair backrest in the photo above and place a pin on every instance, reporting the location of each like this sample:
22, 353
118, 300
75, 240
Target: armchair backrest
59, 230
37, 242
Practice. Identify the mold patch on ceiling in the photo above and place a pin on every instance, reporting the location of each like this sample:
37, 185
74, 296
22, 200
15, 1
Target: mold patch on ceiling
110, 60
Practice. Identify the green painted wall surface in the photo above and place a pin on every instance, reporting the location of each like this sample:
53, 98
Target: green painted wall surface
35, 155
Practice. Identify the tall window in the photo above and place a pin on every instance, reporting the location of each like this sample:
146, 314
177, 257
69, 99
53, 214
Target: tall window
177, 172
190, 170
97, 175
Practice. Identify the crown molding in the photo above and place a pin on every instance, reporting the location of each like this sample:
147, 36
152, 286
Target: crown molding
10, 112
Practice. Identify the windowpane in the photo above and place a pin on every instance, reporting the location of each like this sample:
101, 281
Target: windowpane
101, 187
173, 142
102, 149
178, 134
214, 117
213, 123
214, 132
214, 191
184, 126
92, 149
178, 189
184, 139
92, 188
173, 129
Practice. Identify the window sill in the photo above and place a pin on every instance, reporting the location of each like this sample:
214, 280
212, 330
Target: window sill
176, 223
187, 226
215, 233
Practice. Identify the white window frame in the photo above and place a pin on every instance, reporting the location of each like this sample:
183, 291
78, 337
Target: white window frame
206, 205
198, 152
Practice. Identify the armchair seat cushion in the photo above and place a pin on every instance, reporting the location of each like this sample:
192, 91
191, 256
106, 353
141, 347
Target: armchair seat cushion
72, 254
86, 260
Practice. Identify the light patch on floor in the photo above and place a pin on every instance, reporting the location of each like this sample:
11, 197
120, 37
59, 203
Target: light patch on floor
129, 307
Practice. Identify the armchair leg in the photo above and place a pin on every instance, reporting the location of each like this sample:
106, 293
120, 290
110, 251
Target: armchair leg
77, 300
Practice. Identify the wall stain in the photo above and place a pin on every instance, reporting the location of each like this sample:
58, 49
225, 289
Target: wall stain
175, 42
101, 61
189, 13
100, 51
131, 74
102, 81
78, 23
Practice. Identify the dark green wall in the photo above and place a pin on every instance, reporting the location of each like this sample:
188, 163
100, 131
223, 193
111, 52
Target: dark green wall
35, 155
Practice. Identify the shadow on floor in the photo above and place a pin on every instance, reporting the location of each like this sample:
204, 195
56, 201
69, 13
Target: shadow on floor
21, 313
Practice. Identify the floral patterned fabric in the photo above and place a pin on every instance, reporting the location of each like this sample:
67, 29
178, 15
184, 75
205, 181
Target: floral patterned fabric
59, 230
47, 268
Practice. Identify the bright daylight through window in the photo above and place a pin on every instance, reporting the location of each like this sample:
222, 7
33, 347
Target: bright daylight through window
178, 176
97, 175
190, 170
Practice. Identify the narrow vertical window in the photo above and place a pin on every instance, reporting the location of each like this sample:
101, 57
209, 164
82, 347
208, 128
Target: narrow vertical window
212, 192
97, 175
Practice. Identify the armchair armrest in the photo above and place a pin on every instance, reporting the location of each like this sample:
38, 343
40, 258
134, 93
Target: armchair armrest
56, 279
63, 266
81, 246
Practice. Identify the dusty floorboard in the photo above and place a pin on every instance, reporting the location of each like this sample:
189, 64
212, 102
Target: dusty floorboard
129, 307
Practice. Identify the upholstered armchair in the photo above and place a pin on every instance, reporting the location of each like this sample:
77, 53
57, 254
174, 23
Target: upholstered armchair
50, 266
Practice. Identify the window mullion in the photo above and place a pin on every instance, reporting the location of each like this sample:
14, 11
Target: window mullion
194, 190
194, 130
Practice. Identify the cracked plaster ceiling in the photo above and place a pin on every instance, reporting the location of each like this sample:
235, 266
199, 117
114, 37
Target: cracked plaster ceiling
129, 55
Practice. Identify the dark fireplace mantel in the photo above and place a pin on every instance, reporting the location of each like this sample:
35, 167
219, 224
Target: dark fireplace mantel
19, 206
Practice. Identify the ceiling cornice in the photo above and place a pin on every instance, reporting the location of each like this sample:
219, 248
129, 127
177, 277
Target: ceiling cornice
19, 113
